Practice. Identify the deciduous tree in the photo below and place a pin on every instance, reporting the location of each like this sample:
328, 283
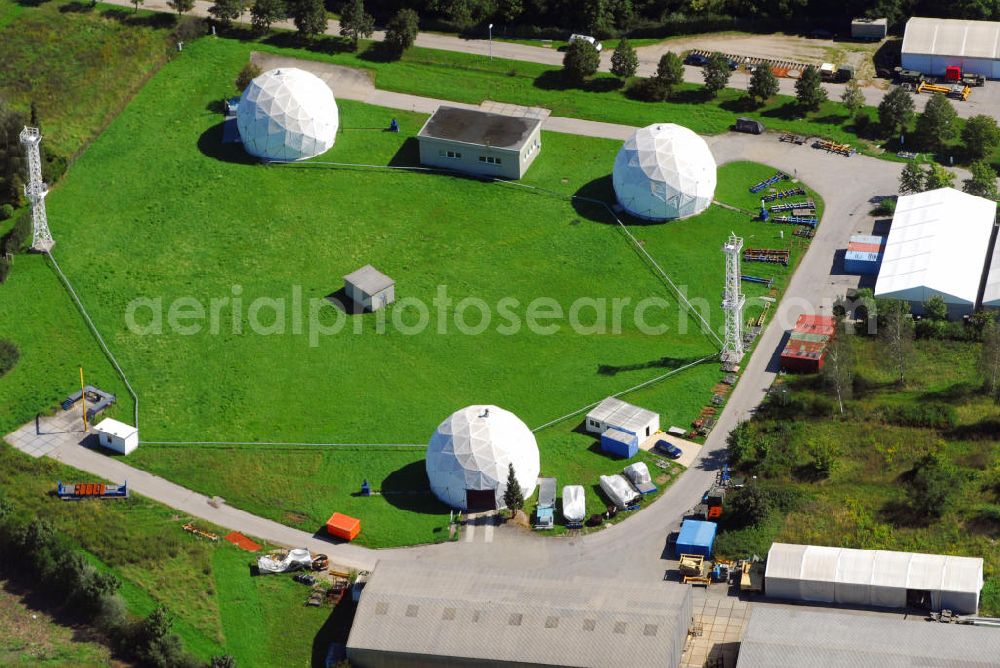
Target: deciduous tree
309, 17
913, 179
226, 11
983, 182
980, 135
809, 91
401, 31
355, 22
763, 84
938, 177
932, 484
669, 72
936, 126
717, 73
624, 61
895, 332
838, 369
181, 6
249, 72
263, 13
852, 97
581, 61
895, 111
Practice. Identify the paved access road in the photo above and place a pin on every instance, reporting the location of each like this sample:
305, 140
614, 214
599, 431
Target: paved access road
984, 100
634, 547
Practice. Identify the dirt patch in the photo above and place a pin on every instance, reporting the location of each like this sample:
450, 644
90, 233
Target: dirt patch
296, 517
345, 82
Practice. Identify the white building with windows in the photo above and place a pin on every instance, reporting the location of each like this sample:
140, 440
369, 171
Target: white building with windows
480, 142
613, 413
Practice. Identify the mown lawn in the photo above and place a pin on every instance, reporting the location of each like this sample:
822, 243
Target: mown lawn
862, 504
211, 225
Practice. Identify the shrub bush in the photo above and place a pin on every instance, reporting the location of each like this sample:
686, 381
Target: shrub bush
6, 211
9, 354
929, 415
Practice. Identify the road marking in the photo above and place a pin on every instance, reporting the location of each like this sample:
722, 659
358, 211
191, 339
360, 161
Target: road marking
488, 538
470, 529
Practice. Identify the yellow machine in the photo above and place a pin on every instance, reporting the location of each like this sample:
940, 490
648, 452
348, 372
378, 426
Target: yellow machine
692, 568
957, 92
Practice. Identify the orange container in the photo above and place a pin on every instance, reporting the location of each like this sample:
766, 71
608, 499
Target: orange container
342, 526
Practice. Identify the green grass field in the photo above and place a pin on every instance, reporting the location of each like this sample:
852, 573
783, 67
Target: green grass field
862, 503
425, 230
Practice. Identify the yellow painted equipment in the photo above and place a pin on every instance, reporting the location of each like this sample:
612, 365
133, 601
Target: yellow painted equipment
957, 92
692, 568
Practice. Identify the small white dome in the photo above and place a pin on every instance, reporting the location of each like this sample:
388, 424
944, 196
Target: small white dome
471, 452
287, 114
664, 171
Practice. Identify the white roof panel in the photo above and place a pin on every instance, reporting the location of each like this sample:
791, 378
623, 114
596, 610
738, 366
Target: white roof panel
618, 413
991, 295
928, 253
952, 37
115, 428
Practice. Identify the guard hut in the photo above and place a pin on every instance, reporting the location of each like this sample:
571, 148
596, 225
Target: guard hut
117, 436
696, 537
369, 288
479, 142
615, 413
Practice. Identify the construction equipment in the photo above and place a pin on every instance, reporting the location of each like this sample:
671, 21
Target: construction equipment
908, 76
956, 91
191, 528
91, 490
974, 80
714, 500
693, 570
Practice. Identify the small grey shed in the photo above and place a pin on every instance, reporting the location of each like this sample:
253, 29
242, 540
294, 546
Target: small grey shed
370, 288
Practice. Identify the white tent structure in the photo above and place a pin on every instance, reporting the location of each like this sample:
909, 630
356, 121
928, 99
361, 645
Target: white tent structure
469, 455
574, 506
991, 291
287, 114
937, 245
873, 577
664, 171
932, 44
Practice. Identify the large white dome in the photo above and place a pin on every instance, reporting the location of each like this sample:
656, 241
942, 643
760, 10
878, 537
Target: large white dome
287, 114
664, 171
471, 452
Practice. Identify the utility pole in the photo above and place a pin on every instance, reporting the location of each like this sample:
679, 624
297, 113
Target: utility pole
733, 301
36, 190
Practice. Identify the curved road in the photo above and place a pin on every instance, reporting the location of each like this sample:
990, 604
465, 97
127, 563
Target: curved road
635, 546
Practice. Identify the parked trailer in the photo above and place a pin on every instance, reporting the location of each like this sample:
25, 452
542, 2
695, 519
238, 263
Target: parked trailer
574, 505
91, 490
811, 221
794, 206
769, 255
833, 147
756, 279
756, 188
546, 503
782, 194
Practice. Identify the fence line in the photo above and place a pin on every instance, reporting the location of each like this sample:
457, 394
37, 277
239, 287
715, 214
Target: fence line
280, 443
97, 335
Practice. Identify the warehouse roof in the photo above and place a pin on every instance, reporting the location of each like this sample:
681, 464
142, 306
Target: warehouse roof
369, 280
471, 126
786, 637
621, 414
929, 253
882, 568
952, 37
517, 617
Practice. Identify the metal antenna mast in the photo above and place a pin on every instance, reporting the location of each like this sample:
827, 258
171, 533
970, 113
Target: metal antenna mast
732, 302
36, 190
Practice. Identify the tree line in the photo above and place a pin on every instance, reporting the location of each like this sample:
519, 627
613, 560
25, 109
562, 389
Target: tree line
33, 552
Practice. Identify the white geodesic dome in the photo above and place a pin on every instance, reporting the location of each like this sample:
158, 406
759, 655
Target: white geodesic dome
664, 171
471, 451
287, 114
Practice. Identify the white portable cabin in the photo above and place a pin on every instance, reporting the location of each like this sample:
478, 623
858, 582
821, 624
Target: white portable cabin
615, 413
876, 578
370, 288
117, 436
574, 506
618, 490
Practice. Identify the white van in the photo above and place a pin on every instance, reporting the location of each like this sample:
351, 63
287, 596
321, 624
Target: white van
586, 38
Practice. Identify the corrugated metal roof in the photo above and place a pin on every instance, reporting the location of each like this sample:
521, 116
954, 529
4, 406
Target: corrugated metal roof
929, 253
786, 637
621, 414
880, 568
952, 37
480, 614
369, 280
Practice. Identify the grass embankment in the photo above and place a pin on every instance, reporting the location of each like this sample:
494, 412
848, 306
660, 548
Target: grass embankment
308, 227
863, 502
217, 607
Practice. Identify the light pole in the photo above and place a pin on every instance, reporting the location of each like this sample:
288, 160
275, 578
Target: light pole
491, 41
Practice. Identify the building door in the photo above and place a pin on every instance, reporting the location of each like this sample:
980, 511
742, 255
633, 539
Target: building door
478, 500
918, 598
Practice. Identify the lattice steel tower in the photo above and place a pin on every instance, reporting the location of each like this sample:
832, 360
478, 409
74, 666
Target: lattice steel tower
732, 302
36, 190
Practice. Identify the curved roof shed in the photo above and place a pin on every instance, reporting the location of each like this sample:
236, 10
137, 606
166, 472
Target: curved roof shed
877, 578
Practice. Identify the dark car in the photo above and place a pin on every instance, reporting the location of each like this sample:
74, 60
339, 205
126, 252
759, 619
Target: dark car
749, 126
696, 59
669, 449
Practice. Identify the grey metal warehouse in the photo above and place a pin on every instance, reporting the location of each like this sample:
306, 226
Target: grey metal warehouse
480, 142
417, 616
787, 637
930, 45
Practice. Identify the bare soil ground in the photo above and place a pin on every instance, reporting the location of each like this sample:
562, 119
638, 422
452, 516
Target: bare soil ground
779, 47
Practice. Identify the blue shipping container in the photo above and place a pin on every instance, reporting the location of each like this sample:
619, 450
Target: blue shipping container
860, 262
620, 443
696, 537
